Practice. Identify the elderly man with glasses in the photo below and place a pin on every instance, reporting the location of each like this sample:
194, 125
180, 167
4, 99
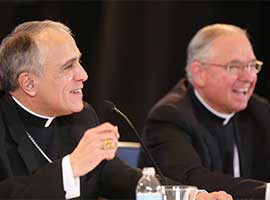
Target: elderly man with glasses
212, 131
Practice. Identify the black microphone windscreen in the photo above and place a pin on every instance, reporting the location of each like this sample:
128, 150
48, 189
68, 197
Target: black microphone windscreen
110, 105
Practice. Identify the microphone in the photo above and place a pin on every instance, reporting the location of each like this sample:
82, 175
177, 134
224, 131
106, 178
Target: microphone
147, 152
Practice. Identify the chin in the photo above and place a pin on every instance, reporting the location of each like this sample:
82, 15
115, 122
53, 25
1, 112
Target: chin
240, 107
77, 108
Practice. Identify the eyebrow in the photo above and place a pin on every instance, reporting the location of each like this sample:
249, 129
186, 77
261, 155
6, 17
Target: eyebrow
70, 61
238, 61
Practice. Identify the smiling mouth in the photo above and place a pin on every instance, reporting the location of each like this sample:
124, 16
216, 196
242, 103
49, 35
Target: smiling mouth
241, 91
77, 91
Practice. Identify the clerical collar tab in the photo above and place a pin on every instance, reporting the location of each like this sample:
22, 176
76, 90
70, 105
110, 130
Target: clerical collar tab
49, 119
224, 116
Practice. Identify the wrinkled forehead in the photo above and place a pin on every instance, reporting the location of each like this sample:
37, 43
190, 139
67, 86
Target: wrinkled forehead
231, 47
56, 46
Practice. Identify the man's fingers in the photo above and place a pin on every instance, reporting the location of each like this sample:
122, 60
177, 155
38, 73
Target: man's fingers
221, 195
104, 129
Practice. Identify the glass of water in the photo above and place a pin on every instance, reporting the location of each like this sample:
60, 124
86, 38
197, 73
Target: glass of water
179, 192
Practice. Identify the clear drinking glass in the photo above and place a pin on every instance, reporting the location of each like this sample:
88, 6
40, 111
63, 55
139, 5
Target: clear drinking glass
179, 192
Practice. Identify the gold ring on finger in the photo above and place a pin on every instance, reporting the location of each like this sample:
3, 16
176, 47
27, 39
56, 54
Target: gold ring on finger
108, 144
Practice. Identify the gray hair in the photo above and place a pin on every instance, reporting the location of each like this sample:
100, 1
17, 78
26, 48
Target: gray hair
19, 52
199, 47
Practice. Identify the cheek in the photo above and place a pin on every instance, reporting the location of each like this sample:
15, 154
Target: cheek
255, 80
222, 86
220, 82
227, 82
61, 89
64, 82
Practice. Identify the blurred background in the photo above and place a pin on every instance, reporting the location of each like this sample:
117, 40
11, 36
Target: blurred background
135, 51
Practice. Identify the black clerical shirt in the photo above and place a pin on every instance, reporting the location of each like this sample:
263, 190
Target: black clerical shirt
42, 133
224, 134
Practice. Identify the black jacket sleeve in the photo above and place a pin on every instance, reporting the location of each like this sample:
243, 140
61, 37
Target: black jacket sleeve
26, 187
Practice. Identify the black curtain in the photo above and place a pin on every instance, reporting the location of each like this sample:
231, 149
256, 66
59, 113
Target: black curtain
135, 51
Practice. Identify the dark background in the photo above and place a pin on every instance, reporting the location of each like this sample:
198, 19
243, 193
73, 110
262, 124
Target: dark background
135, 51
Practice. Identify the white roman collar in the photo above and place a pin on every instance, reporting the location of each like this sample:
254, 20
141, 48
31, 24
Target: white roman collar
226, 117
49, 119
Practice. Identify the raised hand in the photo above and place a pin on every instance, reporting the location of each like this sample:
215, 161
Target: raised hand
97, 144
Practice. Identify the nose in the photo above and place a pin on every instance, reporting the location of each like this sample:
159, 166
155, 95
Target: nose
80, 73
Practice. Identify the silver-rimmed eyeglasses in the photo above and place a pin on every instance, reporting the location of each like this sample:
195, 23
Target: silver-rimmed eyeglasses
238, 67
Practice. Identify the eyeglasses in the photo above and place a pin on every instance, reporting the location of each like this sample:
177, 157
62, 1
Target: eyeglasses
237, 67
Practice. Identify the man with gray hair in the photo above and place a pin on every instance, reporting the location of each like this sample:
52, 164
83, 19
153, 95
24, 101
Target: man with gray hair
212, 131
52, 145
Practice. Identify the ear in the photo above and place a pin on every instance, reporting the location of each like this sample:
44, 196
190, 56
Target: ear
27, 83
198, 74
